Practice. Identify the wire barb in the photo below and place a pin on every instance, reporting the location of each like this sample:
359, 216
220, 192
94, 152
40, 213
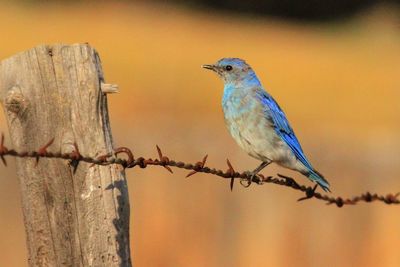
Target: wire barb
75, 158
198, 166
231, 173
43, 151
290, 181
309, 192
163, 160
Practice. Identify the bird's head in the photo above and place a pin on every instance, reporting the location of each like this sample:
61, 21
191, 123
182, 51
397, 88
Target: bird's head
232, 70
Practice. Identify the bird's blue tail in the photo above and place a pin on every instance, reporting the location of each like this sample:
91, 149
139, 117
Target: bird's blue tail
319, 179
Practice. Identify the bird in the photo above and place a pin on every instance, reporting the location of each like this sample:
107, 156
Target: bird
257, 123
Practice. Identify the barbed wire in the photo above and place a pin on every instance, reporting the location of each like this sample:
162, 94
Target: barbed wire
199, 167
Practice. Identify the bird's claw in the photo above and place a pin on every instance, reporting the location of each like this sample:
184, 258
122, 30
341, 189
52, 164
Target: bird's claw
246, 182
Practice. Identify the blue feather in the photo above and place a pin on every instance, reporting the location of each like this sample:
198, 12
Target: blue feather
282, 127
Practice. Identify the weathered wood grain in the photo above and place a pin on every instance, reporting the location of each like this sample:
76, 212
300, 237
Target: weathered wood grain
71, 219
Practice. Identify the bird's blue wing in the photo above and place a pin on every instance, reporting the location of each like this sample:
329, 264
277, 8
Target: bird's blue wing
282, 127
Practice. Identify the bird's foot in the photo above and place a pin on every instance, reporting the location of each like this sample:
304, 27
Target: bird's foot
251, 175
246, 182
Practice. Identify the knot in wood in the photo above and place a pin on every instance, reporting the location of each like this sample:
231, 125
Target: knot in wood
15, 102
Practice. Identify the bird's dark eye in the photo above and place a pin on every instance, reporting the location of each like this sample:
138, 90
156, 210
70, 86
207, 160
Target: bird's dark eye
228, 67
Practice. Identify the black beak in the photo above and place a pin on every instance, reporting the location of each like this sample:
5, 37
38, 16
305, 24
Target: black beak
209, 67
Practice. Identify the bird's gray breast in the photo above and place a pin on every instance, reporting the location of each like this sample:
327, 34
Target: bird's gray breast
250, 125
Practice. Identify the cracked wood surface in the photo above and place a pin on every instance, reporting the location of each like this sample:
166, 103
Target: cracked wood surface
71, 218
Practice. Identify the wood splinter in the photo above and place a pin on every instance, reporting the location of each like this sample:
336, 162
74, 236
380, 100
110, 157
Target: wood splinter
108, 88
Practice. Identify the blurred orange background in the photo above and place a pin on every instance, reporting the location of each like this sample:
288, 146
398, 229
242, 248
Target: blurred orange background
338, 82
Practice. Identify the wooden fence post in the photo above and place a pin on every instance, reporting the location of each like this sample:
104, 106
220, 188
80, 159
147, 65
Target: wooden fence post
71, 218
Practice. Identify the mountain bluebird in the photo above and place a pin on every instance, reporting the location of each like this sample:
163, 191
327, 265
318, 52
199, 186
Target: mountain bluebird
257, 123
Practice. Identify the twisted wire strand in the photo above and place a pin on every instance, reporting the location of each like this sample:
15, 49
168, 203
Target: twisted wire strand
198, 167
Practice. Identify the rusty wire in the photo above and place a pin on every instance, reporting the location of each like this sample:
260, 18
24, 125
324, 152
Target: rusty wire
131, 162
